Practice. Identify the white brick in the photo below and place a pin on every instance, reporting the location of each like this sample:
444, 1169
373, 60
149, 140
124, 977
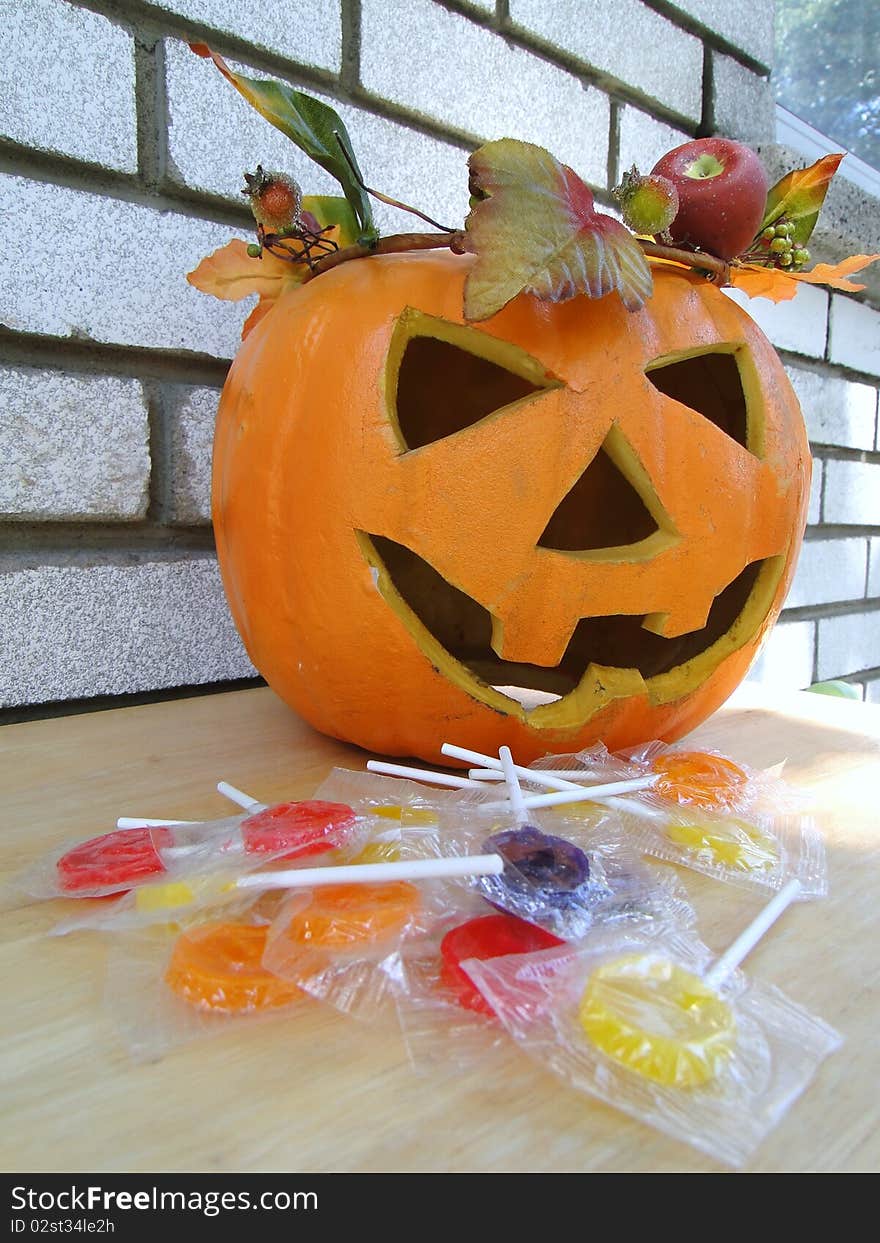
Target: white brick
829, 570
742, 101
854, 339
643, 140
747, 25
72, 446
814, 514
848, 644
76, 631
485, 86
874, 571
872, 692
786, 659
306, 31
852, 494
404, 164
68, 82
836, 411
109, 271
626, 40
798, 325
192, 413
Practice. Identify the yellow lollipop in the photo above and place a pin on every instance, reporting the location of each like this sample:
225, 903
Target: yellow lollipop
664, 1022
659, 1020
734, 844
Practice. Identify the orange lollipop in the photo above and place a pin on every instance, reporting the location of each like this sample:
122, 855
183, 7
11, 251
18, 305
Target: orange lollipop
698, 779
218, 967
341, 917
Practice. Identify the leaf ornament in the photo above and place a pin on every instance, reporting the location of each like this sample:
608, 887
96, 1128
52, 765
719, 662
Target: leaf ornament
533, 228
799, 196
315, 128
231, 274
780, 286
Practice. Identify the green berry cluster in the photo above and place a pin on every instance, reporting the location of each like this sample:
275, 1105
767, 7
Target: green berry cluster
776, 247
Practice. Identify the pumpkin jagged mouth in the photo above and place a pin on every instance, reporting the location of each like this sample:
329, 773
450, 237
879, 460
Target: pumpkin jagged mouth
607, 657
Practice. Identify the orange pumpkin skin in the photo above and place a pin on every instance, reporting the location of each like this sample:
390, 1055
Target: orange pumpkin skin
312, 474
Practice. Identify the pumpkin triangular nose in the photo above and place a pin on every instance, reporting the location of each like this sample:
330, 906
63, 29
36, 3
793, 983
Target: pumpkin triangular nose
611, 505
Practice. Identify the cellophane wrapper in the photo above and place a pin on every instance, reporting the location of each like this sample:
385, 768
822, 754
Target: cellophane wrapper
395, 805
351, 968
621, 887
207, 839
776, 1050
766, 837
150, 1017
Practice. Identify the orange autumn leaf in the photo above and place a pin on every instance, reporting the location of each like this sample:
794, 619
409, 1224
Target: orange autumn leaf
760, 282
780, 286
231, 274
833, 274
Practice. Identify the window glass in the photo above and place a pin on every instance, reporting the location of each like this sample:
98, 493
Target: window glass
827, 71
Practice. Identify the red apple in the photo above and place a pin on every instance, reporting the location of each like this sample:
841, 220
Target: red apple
722, 192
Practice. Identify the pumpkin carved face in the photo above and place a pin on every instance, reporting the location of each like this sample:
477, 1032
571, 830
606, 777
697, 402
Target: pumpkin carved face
569, 523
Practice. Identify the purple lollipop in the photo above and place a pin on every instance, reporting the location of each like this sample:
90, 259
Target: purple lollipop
545, 865
547, 881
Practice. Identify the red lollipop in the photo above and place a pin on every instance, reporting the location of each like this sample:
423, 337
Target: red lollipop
490, 936
113, 862
299, 829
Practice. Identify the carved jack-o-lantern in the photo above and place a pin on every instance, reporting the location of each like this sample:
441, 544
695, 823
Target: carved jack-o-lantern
567, 524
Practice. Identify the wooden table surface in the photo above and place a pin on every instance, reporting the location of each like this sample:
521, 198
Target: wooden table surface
318, 1092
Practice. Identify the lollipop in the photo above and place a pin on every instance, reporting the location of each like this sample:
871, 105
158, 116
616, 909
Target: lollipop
341, 917
699, 779
218, 968
663, 1022
732, 844
547, 879
114, 861
489, 936
658, 1019
291, 830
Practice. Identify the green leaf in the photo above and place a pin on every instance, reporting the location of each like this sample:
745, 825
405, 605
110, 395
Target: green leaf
313, 126
799, 197
840, 690
534, 228
329, 209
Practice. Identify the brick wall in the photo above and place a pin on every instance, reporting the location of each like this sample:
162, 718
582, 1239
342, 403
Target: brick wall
120, 166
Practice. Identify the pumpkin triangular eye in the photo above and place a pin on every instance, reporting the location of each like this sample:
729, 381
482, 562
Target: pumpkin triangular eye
712, 384
445, 377
611, 505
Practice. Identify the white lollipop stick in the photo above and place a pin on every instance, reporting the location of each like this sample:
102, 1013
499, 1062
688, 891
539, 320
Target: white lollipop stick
750, 936
517, 802
147, 822
238, 796
553, 780
423, 774
365, 873
576, 795
556, 781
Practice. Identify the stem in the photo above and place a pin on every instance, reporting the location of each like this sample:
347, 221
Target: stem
718, 269
384, 198
395, 244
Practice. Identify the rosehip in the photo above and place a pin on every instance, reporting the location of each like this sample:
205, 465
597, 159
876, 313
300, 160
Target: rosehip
275, 199
648, 204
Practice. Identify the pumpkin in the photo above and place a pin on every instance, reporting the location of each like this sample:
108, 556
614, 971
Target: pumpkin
569, 523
